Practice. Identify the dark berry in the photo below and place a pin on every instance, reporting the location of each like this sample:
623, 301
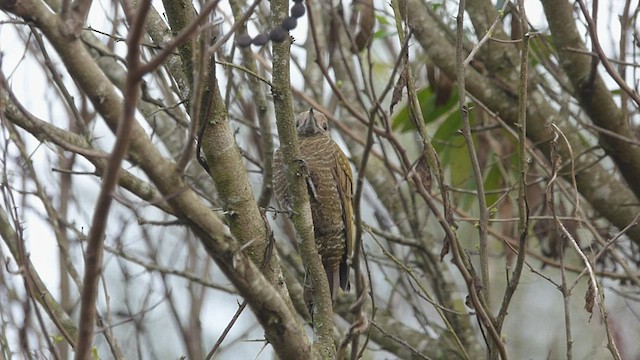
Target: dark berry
297, 10
278, 34
289, 23
243, 40
260, 40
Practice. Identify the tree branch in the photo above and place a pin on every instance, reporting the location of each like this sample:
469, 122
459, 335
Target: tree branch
591, 91
604, 192
271, 311
301, 216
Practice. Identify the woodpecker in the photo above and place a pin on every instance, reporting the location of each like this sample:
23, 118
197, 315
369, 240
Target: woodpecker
330, 186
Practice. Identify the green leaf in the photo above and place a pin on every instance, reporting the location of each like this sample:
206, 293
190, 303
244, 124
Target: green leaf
492, 180
94, 353
380, 34
402, 121
542, 49
430, 112
460, 166
448, 135
56, 339
383, 20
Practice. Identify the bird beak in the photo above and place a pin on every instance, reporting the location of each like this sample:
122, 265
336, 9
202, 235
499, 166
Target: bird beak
311, 117
310, 126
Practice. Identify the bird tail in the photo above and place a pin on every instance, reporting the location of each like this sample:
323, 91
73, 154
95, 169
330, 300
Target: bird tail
344, 274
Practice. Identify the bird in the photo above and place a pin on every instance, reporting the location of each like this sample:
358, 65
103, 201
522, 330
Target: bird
330, 187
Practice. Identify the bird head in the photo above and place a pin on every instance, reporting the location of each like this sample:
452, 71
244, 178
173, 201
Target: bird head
310, 123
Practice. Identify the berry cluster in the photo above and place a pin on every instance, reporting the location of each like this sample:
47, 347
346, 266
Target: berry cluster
279, 33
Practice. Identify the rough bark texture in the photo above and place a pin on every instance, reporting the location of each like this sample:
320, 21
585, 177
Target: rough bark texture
596, 185
592, 93
283, 330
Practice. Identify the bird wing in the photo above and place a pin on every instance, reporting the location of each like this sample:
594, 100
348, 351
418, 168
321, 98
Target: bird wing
344, 178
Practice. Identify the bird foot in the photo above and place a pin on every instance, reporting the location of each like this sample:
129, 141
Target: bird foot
313, 192
275, 211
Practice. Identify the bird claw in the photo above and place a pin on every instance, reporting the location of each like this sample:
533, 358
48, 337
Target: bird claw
312, 189
303, 166
307, 176
289, 212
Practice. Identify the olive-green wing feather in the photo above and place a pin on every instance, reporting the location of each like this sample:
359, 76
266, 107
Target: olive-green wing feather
344, 179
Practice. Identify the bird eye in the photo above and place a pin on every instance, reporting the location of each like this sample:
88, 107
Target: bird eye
325, 126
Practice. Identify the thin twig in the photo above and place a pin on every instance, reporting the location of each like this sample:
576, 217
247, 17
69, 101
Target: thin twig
184, 35
593, 31
523, 206
95, 247
477, 172
487, 35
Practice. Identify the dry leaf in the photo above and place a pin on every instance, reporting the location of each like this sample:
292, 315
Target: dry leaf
424, 170
366, 18
397, 90
589, 298
445, 248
